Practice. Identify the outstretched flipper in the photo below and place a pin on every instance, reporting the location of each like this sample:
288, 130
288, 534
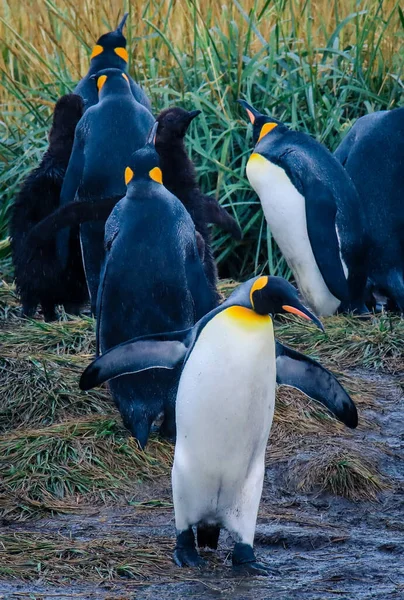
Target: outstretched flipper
296, 370
216, 214
69, 215
161, 351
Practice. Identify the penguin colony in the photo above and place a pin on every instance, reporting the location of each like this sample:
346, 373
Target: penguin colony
115, 207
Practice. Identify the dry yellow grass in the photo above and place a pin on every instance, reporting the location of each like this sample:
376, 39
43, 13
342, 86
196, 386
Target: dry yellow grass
34, 31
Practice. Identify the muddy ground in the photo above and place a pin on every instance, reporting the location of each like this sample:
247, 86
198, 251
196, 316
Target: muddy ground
319, 546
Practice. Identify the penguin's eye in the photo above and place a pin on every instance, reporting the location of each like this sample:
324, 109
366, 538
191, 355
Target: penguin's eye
266, 129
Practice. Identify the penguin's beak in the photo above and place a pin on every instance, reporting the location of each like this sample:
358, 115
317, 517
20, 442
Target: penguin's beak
301, 311
252, 113
192, 114
122, 23
151, 138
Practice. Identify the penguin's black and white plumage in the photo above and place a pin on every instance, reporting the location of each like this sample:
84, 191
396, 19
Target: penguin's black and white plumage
373, 155
313, 212
106, 137
225, 405
109, 53
152, 281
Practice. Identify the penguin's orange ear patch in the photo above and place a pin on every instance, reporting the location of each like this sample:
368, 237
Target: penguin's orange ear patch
122, 52
258, 285
125, 77
128, 175
156, 175
100, 81
266, 128
96, 51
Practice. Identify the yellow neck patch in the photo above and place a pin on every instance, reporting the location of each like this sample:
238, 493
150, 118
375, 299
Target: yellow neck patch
122, 52
258, 285
247, 317
128, 175
156, 175
100, 81
96, 51
125, 77
266, 128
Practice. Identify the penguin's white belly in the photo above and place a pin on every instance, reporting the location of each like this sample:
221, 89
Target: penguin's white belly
224, 411
285, 211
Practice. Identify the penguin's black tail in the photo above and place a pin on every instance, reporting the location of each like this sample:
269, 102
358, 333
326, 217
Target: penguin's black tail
392, 284
207, 536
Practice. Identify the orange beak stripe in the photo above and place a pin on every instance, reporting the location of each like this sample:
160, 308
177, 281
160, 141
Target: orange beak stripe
295, 311
252, 118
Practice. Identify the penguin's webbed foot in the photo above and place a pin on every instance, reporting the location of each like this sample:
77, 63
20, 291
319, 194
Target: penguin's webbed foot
185, 553
245, 563
187, 557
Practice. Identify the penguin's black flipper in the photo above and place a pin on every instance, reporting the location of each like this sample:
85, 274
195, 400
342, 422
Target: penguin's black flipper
69, 215
217, 215
160, 351
321, 217
302, 372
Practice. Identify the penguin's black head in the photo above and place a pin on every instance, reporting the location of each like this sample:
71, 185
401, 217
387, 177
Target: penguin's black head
262, 124
68, 112
274, 295
112, 45
145, 163
111, 81
173, 124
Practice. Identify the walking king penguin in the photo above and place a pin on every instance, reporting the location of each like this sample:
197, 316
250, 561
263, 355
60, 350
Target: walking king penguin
152, 281
225, 405
313, 212
105, 139
373, 155
109, 52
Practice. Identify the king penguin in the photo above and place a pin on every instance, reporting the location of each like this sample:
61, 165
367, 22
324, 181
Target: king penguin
373, 156
225, 404
152, 281
109, 52
106, 137
314, 213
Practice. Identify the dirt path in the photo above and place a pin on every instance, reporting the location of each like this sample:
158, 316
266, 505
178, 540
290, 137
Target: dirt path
319, 546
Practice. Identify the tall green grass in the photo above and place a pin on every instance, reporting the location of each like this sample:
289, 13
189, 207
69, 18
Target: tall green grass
308, 63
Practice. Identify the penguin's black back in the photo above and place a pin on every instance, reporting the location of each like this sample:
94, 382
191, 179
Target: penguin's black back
109, 133
373, 155
152, 281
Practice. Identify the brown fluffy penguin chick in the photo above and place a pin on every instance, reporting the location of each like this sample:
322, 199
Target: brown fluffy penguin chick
41, 279
179, 176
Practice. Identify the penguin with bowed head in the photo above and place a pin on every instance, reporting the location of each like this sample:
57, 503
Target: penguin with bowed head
230, 366
314, 213
152, 281
106, 137
109, 52
373, 155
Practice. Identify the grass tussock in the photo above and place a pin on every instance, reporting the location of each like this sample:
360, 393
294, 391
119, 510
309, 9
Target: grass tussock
79, 461
350, 342
31, 556
346, 472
